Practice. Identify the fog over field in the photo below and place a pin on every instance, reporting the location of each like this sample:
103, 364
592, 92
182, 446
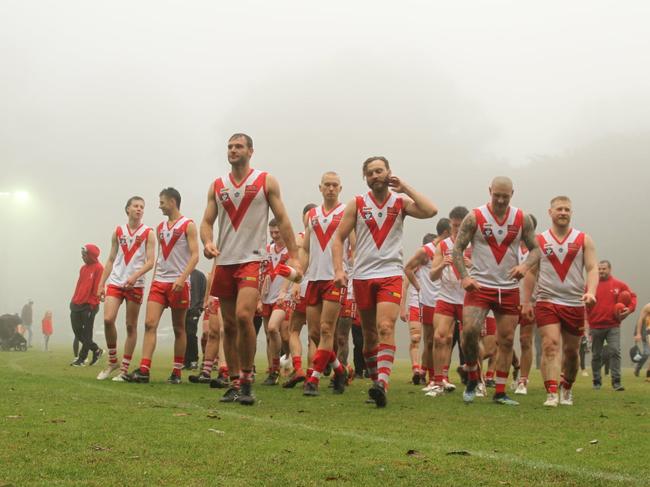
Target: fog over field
100, 101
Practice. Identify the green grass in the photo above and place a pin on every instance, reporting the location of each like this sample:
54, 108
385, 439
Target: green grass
73, 430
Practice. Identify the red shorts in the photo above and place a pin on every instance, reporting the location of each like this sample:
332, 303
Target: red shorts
428, 312
570, 318
448, 309
502, 301
134, 294
319, 291
212, 308
489, 328
300, 306
369, 292
415, 314
161, 292
267, 309
523, 321
229, 279
349, 309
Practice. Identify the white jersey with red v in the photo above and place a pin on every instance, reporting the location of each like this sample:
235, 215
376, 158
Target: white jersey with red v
131, 254
429, 290
243, 212
561, 269
378, 230
495, 247
275, 257
173, 250
451, 290
323, 225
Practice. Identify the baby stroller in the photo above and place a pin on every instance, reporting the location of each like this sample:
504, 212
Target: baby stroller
10, 339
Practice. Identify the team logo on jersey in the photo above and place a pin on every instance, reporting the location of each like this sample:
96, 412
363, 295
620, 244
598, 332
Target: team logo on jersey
123, 240
223, 194
548, 249
251, 189
236, 194
314, 221
366, 213
487, 230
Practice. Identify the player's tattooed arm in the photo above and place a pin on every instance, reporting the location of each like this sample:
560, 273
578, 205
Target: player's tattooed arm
534, 254
465, 236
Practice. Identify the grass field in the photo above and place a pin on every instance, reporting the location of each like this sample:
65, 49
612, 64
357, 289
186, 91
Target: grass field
60, 426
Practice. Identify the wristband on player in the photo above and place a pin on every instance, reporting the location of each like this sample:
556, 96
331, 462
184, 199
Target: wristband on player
288, 272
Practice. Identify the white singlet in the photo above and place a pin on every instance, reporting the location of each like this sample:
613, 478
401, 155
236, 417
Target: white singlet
323, 226
451, 290
379, 237
173, 250
131, 254
243, 212
275, 258
561, 269
429, 290
495, 247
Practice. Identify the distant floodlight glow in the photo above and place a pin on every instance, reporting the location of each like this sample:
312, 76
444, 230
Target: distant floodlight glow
21, 196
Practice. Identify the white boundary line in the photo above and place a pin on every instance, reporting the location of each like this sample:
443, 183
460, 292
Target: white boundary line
408, 444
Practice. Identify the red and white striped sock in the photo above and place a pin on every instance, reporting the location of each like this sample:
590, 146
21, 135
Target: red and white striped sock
178, 365
385, 359
445, 372
523, 380
145, 365
310, 371
371, 363
297, 364
415, 368
321, 359
336, 364
112, 354
501, 379
551, 386
275, 364
489, 375
246, 376
207, 367
566, 385
472, 371
126, 362
438, 378
432, 374
223, 371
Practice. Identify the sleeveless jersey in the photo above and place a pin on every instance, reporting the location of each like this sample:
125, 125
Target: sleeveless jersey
131, 254
275, 257
173, 250
323, 226
561, 269
451, 290
305, 280
243, 211
495, 247
413, 297
379, 237
429, 290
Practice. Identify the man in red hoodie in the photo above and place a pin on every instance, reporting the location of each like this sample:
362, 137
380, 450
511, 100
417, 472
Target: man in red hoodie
604, 324
85, 304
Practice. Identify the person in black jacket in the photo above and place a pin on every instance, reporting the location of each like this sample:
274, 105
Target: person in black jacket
197, 293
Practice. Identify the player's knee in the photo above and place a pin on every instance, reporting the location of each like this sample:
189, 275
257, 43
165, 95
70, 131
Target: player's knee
550, 346
131, 330
415, 339
506, 341
243, 317
150, 326
109, 324
385, 329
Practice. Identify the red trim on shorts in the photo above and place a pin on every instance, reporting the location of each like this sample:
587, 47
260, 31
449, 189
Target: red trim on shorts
570, 318
229, 279
161, 292
489, 328
428, 312
319, 291
369, 292
449, 309
134, 294
502, 301
415, 314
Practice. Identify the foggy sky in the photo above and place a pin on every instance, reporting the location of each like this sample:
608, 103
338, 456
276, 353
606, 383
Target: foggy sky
104, 100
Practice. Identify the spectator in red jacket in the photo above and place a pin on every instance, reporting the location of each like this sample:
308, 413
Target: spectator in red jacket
47, 329
604, 324
85, 304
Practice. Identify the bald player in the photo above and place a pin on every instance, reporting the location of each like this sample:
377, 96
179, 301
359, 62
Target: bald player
495, 231
241, 201
377, 219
